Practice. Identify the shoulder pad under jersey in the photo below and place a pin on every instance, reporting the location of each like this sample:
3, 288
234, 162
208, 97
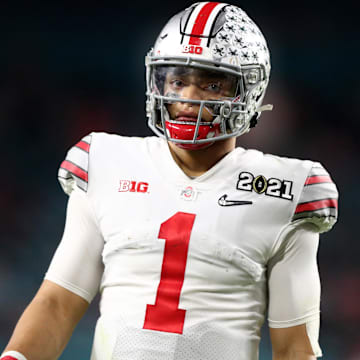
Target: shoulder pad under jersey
74, 169
318, 201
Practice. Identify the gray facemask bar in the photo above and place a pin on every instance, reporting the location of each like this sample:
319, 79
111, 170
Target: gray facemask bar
229, 110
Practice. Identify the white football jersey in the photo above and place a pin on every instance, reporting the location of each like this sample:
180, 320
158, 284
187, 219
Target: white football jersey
185, 260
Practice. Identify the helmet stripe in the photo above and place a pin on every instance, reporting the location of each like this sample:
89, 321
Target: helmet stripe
210, 24
200, 22
195, 10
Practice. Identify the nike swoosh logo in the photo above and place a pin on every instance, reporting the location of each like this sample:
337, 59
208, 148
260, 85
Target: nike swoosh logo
223, 202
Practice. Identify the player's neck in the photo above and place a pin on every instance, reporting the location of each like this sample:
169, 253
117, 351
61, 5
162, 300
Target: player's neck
196, 162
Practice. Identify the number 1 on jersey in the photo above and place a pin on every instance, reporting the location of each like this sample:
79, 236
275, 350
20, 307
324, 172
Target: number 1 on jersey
165, 314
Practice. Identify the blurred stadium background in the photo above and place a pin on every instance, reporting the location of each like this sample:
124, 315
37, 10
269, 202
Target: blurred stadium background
71, 69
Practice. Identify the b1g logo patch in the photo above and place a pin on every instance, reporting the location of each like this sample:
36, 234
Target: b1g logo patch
191, 49
133, 186
259, 184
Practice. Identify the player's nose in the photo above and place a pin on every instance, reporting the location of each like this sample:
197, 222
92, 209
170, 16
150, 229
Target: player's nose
191, 92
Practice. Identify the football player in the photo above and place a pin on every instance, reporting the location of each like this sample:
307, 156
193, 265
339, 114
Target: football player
189, 240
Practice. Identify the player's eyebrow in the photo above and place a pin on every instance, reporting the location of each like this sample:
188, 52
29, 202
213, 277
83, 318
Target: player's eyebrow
186, 71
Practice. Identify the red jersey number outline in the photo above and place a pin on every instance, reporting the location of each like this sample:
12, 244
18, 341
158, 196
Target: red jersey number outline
165, 314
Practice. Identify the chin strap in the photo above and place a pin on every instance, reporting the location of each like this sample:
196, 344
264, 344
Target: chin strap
259, 110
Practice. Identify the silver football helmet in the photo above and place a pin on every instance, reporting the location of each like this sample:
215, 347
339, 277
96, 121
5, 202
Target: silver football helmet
216, 38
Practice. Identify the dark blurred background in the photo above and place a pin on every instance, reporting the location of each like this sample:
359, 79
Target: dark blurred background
67, 70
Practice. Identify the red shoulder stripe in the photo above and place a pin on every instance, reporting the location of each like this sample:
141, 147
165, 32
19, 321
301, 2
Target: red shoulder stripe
8, 358
318, 179
83, 146
317, 205
80, 173
200, 22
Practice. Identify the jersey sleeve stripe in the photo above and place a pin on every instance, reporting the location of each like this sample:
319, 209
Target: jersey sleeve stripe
83, 146
316, 179
330, 213
74, 169
318, 200
316, 205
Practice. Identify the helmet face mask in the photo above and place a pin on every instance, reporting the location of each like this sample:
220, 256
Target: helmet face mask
176, 63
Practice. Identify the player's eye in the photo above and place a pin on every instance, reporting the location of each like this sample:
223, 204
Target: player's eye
213, 87
177, 84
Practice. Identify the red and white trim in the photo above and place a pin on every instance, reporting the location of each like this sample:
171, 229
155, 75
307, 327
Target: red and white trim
316, 179
12, 355
318, 201
83, 146
201, 20
75, 166
316, 205
74, 169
